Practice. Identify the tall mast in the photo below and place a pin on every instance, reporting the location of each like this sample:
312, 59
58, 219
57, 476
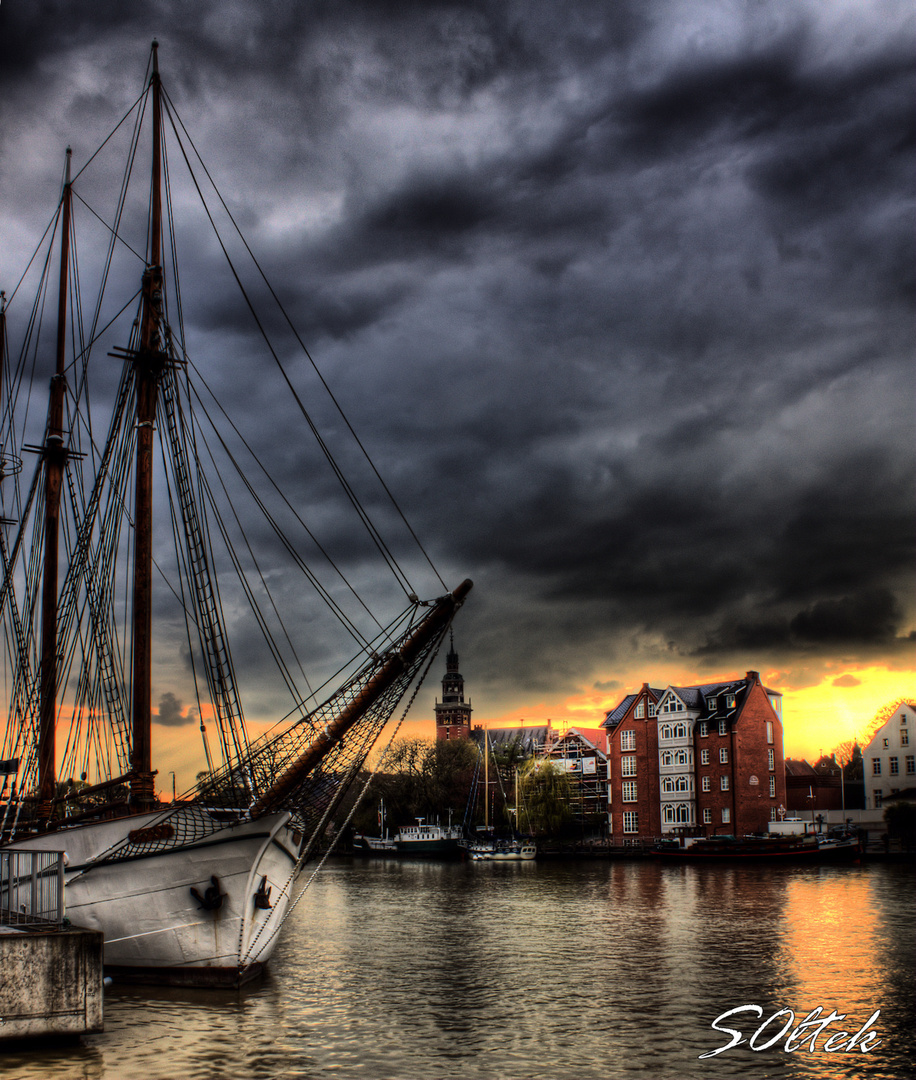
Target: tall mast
486, 780
55, 458
148, 365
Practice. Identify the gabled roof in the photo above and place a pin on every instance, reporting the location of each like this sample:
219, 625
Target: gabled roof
594, 738
613, 718
528, 738
799, 768
694, 699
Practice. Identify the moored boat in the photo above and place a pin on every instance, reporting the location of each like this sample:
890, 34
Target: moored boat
788, 849
429, 841
503, 851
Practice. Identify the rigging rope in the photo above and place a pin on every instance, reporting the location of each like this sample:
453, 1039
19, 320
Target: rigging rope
306, 851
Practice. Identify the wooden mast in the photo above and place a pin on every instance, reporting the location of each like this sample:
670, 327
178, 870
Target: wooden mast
55, 458
148, 365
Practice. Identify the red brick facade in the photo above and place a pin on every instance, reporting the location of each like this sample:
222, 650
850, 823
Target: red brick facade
695, 760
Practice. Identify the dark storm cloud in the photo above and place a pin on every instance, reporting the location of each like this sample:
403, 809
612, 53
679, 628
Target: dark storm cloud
172, 712
618, 295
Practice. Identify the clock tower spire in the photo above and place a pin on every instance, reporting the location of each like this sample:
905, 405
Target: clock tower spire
453, 713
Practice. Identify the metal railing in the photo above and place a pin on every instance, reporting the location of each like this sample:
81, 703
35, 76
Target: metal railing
31, 887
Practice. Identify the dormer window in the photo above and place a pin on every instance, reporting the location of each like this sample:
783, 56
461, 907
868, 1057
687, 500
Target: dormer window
711, 703
652, 708
640, 711
729, 701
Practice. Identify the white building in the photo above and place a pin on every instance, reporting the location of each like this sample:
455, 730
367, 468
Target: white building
889, 760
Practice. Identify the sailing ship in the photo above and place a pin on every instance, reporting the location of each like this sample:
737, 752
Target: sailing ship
193, 891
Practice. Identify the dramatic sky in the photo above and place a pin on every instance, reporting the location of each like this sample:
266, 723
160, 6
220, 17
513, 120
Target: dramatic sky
619, 296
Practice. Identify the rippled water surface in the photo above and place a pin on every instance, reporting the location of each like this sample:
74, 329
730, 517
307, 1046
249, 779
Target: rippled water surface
551, 969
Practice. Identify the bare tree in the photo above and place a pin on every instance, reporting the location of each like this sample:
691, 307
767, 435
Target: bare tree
884, 714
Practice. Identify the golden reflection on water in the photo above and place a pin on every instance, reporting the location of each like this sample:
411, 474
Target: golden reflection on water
831, 934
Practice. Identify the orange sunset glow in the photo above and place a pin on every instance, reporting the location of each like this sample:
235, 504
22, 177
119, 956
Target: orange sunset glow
815, 717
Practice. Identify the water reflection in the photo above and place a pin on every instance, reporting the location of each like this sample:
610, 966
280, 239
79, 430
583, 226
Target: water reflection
402, 969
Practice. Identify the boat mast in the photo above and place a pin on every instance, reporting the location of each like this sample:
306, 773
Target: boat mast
148, 364
55, 459
486, 780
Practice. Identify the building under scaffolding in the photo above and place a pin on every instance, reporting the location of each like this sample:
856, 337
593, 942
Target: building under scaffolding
582, 754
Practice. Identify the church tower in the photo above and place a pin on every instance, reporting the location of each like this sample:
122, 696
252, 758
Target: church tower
453, 714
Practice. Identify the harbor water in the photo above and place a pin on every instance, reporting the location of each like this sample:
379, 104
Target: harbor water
590, 969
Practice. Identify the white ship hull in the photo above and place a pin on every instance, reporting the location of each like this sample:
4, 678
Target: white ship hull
155, 929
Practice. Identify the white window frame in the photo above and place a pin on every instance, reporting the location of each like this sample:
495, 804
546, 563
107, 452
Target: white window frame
723, 755
704, 757
726, 815
723, 783
628, 739
628, 791
723, 727
706, 784
677, 814
631, 821
707, 816
628, 765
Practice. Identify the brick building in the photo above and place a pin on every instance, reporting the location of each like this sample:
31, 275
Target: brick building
696, 760
453, 713
814, 788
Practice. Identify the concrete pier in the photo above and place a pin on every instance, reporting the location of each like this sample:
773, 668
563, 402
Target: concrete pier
50, 981
50, 972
